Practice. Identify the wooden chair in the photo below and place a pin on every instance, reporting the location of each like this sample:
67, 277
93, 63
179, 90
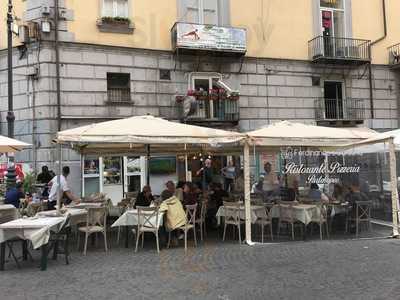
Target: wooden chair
264, 219
323, 219
96, 221
147, 222
362, 215
190, 225
232, 217
201, 219
286, 215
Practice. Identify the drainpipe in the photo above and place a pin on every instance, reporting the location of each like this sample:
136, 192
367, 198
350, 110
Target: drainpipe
371, 94
56, 46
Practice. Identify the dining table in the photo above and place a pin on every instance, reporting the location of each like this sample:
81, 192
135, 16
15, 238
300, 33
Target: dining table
256, 212
130, 218
34, 229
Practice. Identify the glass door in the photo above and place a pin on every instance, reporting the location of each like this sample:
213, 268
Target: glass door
333, 27
133, 174
112, 178
91, 175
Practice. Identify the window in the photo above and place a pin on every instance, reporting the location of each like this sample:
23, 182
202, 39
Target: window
118, 87
115, 8
215, 12
332, 18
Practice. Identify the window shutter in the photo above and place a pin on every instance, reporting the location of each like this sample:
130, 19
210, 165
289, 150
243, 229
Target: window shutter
348, 19
122, 8
188, 11
107, 9
210, 12
224, 12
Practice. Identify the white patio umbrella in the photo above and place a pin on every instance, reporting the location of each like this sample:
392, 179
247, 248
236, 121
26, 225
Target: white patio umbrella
8, 145
286, 134
137, 134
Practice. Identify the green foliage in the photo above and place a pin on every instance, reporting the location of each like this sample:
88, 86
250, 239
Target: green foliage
116, 20
29, 181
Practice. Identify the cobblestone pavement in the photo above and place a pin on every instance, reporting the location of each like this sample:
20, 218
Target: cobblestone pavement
335, 269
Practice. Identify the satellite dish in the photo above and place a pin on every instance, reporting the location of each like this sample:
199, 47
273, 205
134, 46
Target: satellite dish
189, 106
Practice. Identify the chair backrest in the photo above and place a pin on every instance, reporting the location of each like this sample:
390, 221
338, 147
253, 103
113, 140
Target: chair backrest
191, 213
232, 211
146, 217
286, 212
96, 216
363, 210
203, 210
323, 211
130, 195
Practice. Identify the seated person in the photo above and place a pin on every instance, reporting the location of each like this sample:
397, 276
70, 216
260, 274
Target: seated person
190, 197
316, 195
355, 195
145, 197
179, 190
338, 193
67, 195
218, 195
14, 194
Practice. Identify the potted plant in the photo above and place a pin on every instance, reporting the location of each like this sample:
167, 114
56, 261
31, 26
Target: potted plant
116, 20
29, 181
234, 96
214, 94
222, 94
115, 25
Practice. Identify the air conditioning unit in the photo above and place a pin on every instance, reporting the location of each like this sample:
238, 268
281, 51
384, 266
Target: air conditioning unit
45, 10
23, 34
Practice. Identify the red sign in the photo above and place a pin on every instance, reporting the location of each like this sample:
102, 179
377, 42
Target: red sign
326, 19
18, 171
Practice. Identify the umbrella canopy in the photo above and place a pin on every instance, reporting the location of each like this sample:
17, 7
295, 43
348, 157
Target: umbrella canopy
376, 143
296, 134
131, 134
11, 145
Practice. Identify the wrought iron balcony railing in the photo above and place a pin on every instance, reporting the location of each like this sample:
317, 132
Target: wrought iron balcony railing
226, 110
118, 95
327, 49
339, 109
394, 55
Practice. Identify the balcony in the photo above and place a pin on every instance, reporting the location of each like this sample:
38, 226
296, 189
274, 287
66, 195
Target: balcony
197, 39
394, 56
339, 112
118, 95
215, 113
334, 50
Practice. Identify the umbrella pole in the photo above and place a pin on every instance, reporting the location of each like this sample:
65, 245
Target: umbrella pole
246, 158
393, 181
59, 193
148, 165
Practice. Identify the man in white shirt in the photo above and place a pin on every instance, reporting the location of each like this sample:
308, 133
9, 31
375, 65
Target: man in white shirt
67, 195
268, 183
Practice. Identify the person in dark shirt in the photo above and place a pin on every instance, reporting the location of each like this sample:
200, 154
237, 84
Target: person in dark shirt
45, 176
145, 197
190, 197
14, 194
354, 196
206, 173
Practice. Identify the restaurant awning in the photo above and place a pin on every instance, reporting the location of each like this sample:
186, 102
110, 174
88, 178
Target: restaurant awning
286, 133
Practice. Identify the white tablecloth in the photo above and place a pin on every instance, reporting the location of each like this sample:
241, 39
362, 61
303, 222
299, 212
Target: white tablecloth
255, 213
37, 230
130, 218
304, 213
86, 205
77, 215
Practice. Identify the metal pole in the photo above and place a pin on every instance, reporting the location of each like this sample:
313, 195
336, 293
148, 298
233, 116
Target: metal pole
10, 113
395, 195
148, 165
246, 158
11, 176
59, 192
